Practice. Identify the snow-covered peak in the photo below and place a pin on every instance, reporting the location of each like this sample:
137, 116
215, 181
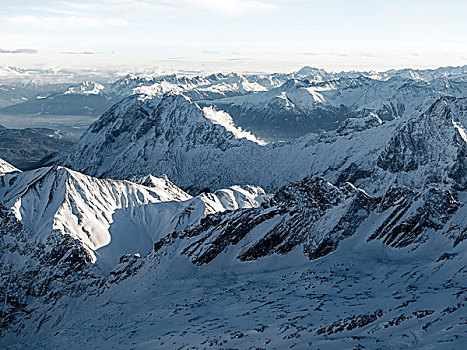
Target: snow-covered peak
110, 218
312, 73
6, 167
85, 88
146, 130
162, 183
96, 212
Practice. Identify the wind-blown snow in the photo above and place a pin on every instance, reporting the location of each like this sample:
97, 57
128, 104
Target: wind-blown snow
224, 119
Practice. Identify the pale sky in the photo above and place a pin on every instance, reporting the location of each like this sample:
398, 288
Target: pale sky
234, 35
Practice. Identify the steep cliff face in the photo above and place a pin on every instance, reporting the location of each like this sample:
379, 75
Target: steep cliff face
37, 277
316, 216
434, 144
64, 235
168, 136
393, 263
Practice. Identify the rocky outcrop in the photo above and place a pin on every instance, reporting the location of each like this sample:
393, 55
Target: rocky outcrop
33, 272
317, 216
436, 140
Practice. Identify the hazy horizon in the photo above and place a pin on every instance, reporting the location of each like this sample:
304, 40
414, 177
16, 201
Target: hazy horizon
233, 35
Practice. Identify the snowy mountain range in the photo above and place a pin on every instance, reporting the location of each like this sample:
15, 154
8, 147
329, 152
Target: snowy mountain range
81, 99
179, 220
274, 106
173, 136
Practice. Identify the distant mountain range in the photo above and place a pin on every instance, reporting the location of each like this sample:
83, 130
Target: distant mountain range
274, 107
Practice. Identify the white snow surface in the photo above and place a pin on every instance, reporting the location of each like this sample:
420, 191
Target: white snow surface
365, 295
110, 217
6, 167
85, 88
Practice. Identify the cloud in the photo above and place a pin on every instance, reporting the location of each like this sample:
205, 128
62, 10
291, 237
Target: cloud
78, 53
232, 8
131, 8
64, 22
237, 59
367, 54
178, 58
308, 53
98, 14
118, 8
20, 51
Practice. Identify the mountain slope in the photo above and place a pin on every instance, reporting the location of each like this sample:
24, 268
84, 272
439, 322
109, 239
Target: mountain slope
172, 136
299, 107
167, 136
317, 216
393, 274
362, 244
110, 218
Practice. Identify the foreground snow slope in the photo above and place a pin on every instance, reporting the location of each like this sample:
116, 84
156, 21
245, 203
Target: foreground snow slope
393, 278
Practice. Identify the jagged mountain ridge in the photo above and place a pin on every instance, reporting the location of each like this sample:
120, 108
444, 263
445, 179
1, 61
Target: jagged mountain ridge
317, 216
86, 98
287, 114
109, 218
159, 131
172, 136
387, 264
299, 107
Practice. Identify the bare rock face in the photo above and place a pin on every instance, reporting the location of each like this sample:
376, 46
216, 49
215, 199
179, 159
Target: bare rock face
44, 273
317, 216
413, 214
436, 139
